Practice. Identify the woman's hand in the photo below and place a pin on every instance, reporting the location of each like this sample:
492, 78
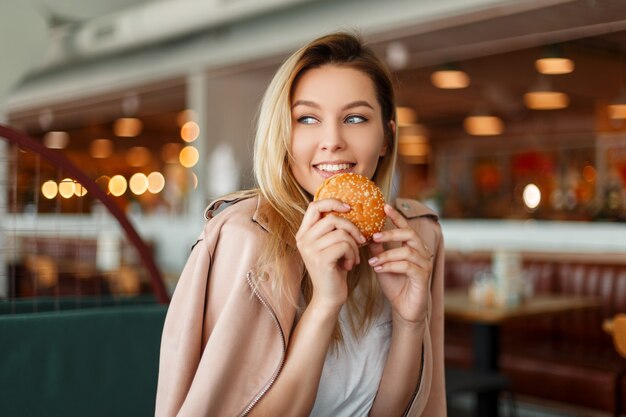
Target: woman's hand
329, 247
404, 271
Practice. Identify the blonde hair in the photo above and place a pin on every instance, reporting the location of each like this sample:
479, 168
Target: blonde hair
286, 199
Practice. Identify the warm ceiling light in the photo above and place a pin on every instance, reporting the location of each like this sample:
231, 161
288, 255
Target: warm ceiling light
67, 187
79, 190
413, 146
117, 185
483, 125
101, 148
406, 116
190, 131
188, 156
450, 79
617, 111
138, 183
531, 196
156, 182
414, 149
127, 127
56, 140
49, 189
546, 100
138, 156
554, 66
542, 96
397, 55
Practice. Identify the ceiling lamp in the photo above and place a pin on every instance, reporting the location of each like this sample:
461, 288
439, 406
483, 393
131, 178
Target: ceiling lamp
553, 62
406, 116
190, 131
542, 96
450, 77
617, 109
56, 140
117, 185
138, 183
101, 148
127, 127
67, 188
49, 189
413, 144
483, 125
397, 55
188, 156
138, 156
156, 182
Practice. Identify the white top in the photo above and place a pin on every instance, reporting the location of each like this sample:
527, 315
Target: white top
353, 370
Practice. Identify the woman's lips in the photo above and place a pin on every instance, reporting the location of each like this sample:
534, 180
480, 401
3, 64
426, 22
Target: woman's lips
328, 170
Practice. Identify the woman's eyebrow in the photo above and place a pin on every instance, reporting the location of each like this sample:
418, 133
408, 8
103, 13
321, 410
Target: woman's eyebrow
358, 103
305, 103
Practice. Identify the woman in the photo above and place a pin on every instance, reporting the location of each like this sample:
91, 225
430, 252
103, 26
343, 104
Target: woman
281, 311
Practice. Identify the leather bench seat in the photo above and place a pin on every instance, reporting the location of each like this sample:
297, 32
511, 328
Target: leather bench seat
557, 372
564, 358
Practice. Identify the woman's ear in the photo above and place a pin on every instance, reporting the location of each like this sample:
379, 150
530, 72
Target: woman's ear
390, 133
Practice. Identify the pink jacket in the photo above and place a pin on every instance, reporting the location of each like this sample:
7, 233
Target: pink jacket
224, 339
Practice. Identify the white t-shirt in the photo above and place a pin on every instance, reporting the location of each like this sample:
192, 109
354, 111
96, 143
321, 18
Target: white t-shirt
353, 370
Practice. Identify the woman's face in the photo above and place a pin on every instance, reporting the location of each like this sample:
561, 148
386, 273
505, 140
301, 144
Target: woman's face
336, 125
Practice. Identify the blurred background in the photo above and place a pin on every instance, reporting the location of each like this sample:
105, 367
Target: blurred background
512, 126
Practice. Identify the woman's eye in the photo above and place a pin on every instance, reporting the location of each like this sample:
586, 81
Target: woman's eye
355, 119
307, 120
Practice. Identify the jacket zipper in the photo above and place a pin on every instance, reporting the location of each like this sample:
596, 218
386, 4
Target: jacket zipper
266, 388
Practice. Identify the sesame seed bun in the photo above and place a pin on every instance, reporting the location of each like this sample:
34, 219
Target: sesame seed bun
362, 195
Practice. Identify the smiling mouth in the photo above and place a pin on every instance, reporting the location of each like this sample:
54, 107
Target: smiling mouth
334, 168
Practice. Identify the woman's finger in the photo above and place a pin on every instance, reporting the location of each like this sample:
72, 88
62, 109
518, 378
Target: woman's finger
316, 208
403, 253
338, 238
399, 267
333, 222
402, 233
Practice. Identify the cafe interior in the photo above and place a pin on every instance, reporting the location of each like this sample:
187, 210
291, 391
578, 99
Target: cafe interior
511, 126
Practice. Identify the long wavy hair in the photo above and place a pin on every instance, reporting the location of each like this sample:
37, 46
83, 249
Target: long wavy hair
285, 200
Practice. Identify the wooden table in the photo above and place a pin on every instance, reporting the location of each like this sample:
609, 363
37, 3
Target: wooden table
486, 323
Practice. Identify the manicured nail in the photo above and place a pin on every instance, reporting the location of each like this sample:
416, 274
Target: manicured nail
378, 268
362, 239
346, 205
373, 260
377, 236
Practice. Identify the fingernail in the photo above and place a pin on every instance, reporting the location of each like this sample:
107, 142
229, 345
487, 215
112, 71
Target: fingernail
373, 260
346, 205
362, 239
378, 268
377, 236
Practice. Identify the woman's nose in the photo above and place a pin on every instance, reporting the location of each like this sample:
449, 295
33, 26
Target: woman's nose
333, 138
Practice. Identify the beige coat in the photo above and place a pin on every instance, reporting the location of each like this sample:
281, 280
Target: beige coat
224, 340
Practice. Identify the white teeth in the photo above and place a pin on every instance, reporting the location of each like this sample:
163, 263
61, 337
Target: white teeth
333, 167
